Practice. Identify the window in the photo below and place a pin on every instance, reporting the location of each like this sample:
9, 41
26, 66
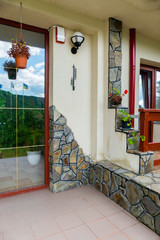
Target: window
149, 87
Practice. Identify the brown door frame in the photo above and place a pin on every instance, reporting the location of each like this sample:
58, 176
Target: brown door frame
153, 93
46, 33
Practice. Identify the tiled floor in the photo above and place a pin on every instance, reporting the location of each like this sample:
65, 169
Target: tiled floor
79, 214
27, 175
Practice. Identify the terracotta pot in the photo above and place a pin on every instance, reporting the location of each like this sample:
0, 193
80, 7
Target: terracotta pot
21, 62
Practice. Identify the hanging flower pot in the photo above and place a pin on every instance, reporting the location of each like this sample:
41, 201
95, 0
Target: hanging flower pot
21, 61
10, 68
19, 50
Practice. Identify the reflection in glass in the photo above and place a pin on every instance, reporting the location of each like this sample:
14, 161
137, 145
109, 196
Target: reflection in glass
22, 101
7, 128
30, 167
30, 127
7, 170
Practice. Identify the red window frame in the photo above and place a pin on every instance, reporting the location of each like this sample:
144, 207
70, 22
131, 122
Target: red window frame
46, 33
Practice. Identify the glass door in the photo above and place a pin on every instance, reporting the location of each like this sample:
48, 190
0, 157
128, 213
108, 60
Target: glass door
22, 114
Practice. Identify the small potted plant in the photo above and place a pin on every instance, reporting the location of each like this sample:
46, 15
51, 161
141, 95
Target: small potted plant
20, 52
126, 119
34, 152
116, 97
10, 68
134, 138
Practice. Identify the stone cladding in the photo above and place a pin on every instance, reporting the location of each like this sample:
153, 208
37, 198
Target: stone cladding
68, 165
132, 192
115, 56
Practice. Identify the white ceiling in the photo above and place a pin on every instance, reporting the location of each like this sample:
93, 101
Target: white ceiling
144, 15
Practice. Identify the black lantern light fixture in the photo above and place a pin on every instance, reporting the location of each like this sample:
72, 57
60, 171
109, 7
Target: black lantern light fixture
77, 39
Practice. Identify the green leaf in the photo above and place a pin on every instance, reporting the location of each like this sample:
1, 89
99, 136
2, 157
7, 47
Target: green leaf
131, 141
143, 138
133, 134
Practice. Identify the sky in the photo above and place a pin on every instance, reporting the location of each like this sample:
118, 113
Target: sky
33, 75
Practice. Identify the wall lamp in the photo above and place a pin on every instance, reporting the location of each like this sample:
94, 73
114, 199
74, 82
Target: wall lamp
77, 39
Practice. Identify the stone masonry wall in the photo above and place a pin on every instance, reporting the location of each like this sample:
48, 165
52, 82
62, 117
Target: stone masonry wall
69, 167
115, 56
123, 187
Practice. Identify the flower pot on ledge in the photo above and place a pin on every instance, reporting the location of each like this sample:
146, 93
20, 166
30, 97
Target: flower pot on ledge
114, 102
126, 124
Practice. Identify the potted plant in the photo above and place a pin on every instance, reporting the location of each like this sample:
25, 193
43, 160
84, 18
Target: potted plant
126, 119
34, 152
134, 138
10, 68
20, 52
116, 97
34, 156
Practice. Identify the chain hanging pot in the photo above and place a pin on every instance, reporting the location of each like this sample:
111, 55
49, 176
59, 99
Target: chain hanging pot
19, 50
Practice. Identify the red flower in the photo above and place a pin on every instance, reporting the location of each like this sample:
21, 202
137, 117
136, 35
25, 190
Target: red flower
125, 91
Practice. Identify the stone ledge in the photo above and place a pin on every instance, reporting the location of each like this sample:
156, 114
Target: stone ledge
131, 191
145, 158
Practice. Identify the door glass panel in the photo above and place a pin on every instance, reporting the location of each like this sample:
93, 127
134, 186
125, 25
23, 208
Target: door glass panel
22, 100
8, 169
158, 89
145, 80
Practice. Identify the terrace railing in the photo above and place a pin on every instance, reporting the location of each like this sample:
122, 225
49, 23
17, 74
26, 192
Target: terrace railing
148, 118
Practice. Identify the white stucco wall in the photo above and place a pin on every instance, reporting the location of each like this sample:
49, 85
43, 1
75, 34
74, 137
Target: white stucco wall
86, 108
74, 105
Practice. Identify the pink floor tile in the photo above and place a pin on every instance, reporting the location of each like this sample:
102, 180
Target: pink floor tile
32, 204
9, 205
102, 228
45, 228
59, 236
59, 208
78, 214
79, 203
88, 189
1, 236
80, 233
97, 197
122, 220
108, 208
117, 236
37, 214
89, 214
14, 220
68, 221
20, 233
140, 232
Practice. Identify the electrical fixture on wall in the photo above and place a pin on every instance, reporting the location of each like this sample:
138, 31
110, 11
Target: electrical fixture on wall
74, 78
77, 39
60, 35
